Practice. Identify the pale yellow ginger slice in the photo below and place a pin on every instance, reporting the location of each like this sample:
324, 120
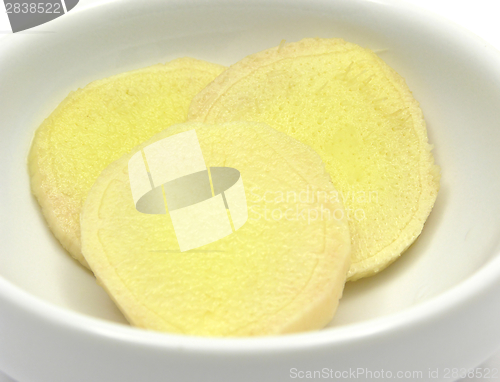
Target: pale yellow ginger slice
360, 117
96, 125
281, 269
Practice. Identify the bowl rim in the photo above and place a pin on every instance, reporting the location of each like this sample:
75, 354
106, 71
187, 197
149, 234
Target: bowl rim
435, 307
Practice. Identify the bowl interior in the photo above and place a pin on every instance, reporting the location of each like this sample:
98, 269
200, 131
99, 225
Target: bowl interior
452, 75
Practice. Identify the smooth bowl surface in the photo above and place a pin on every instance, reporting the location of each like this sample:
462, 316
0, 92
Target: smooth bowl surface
433, 308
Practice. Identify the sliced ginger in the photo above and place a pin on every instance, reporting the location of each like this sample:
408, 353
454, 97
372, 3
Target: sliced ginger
282, 271
96, 125
360, 117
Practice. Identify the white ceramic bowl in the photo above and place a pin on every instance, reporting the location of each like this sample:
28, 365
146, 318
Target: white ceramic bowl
436, 307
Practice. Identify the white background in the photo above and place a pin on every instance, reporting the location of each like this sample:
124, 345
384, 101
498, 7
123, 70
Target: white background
479, 16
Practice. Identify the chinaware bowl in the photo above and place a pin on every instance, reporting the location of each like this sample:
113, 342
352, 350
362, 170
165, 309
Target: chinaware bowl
433, 312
